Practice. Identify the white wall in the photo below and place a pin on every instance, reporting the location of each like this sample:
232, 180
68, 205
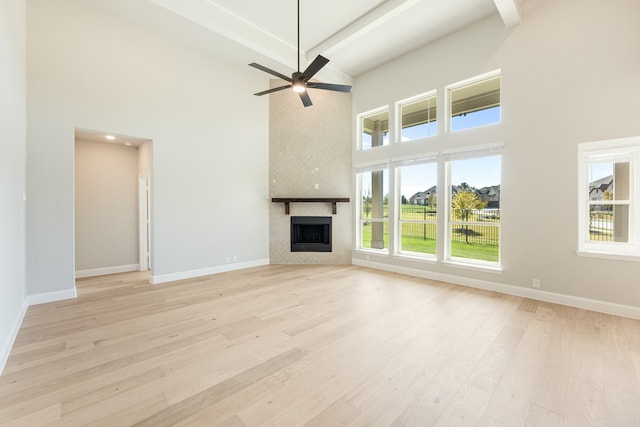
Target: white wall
570, 73
106, 208
90, 70
13, 141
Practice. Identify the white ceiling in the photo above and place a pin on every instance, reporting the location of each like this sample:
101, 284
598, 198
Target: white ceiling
356, 35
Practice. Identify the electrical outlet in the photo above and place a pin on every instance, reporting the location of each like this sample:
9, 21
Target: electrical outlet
228, 260
316, 186
535, 283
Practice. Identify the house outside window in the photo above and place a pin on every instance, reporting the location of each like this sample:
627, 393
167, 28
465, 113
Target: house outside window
608, 193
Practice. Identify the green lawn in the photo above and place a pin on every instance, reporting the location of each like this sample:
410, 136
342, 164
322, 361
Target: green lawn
420, 238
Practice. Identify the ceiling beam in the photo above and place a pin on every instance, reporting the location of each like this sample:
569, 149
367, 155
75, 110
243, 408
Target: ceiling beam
234, 27
509, 11
362, 26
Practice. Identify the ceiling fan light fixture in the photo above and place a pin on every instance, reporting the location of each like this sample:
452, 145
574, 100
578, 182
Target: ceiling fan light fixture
300, 80
299, 87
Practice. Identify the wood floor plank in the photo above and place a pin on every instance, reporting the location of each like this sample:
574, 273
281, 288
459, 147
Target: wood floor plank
316, 345
197, 402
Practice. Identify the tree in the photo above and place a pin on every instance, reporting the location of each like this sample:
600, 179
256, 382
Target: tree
366, 204
431, 202
466, 187
403, 200
463, 203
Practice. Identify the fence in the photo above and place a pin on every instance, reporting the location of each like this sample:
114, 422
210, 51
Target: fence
601, 226
472, 226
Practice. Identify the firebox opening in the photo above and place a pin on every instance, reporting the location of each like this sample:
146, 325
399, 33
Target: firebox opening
310, 234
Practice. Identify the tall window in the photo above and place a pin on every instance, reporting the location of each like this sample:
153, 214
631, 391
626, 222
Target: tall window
418, 118
417, 217
473, 219
373, 189
608, 195
475, 102
374, 129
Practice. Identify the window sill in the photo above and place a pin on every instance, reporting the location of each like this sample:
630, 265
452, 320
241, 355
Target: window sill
426, 259
477, 267
608, 255
368, 251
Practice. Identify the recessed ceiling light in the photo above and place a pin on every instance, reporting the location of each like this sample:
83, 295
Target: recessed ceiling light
128, 144
110, 137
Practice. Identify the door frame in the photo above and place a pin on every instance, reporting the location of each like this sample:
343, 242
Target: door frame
144, 220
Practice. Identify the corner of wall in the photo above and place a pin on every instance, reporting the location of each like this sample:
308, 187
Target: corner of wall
5, 347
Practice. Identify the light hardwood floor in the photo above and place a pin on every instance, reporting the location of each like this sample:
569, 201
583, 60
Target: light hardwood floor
317, 346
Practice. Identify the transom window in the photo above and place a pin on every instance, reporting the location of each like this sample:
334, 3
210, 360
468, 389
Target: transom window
374, 128
418, 118
474, 102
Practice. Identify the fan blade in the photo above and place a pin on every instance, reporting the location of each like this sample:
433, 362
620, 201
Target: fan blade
314, 67
270, 71
275, 89
329, 86
304, 96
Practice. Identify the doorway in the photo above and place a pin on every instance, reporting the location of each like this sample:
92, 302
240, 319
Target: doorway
113, 208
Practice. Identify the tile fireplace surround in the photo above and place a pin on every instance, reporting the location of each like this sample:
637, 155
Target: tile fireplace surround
310, 160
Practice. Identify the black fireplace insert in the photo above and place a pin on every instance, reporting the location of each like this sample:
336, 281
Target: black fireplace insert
310, 234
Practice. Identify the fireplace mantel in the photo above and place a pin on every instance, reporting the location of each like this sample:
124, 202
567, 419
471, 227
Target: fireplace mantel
288, 200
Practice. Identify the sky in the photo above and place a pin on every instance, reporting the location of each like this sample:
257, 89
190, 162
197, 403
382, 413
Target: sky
600, 170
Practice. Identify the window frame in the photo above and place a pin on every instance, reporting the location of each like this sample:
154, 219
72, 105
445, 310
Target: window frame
450, 156
397, 165
615, 151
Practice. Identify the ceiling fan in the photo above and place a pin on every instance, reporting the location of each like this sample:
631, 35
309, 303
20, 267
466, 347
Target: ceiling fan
299, 81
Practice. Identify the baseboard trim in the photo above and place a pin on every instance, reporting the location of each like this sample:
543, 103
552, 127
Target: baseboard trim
103, 271
52, 297
7, 345
537, 294
172, 277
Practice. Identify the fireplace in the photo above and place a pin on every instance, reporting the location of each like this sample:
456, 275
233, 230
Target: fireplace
310, 234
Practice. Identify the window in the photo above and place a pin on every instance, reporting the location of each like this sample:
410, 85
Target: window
608, 189
475, 102
373, 190
417, 217
374, 128
418, 117
443, 204
473, 217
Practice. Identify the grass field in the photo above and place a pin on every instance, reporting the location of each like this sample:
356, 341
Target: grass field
421, 238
